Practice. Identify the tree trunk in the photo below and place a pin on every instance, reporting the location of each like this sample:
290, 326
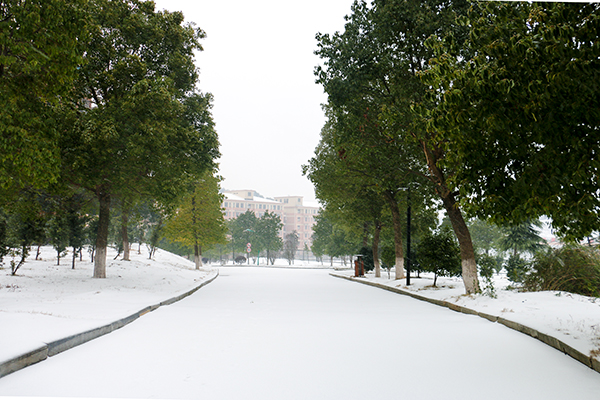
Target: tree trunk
124, 235
467, 253
102, 237
376, 249
397, 224
74, 258
197, 256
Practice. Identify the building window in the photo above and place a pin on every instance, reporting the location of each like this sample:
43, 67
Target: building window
298, 218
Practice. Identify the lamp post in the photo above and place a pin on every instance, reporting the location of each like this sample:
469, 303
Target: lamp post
408, 238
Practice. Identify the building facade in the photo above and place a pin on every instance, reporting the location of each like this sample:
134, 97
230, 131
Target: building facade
295, 214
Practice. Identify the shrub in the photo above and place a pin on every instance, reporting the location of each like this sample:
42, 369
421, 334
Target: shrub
367, 253
487, 266
439, 253
516, 268
574, 269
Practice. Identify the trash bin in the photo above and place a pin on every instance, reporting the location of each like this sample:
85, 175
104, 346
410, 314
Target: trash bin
359, 266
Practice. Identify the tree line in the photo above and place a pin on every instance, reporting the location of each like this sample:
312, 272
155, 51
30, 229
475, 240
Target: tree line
101, 115
260, 235
489, 109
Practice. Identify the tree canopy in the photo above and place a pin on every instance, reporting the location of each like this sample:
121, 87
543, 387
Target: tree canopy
144, 129
198, 221
41, 46
519, 102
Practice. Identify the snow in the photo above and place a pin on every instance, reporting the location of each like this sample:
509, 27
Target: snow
284, 332
46, 302
571, 318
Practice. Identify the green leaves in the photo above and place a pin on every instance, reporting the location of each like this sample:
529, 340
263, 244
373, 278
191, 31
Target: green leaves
522, 116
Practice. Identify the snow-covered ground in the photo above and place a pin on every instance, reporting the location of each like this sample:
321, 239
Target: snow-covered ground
570, 318
46, 302
284, 333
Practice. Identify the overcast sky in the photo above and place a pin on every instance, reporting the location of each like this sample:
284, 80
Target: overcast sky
258, 63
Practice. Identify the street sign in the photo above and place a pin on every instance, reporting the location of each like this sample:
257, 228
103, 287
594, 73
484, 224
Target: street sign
248, 247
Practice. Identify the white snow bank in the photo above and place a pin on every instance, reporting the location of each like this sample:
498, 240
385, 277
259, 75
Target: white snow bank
46, 302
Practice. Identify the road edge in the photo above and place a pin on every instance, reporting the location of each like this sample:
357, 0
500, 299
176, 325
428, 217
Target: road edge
58, 346
551, 341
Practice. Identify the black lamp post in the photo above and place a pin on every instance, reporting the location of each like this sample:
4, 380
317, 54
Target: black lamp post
408, 238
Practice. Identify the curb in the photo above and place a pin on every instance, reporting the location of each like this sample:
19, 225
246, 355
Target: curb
58, 346
543, 337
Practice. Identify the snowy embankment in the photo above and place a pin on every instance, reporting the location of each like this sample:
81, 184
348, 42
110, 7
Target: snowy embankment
46, 302
572, 319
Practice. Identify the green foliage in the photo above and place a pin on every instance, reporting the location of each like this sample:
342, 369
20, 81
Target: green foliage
573, 268
516, 268
243, 231
268, 228
439, 253
522, 238
370, 76
41, 47
517, 106
58, 234
146, 134
198, 221
367, 256
487, 266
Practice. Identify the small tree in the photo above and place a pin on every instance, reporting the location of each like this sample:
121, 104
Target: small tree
290, 245
199, 221
267, 232
58, 233
439, 253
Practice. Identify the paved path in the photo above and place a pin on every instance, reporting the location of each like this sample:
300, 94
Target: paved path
301, 334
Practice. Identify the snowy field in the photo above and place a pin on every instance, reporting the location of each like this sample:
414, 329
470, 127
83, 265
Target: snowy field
283, 333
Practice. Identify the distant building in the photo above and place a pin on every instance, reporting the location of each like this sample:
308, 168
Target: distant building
294, 213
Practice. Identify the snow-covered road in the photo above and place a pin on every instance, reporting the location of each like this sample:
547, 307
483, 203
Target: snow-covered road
258, 333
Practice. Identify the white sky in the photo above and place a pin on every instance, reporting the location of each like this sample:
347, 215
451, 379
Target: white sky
258, 62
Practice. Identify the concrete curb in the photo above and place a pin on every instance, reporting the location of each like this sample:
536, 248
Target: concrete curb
547, 339
58, 346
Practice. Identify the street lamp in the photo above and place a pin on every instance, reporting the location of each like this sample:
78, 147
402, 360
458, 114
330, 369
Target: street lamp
408, 238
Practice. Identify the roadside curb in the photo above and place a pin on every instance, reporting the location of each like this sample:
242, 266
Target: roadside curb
543, 337
58, 346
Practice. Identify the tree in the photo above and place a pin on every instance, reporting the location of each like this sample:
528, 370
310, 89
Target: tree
147, 131
243, 231
439, 253
41, 47
375, 62
290, 245
522, 238
268, 228
58, 234
26, 222
520, 92
199, 222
